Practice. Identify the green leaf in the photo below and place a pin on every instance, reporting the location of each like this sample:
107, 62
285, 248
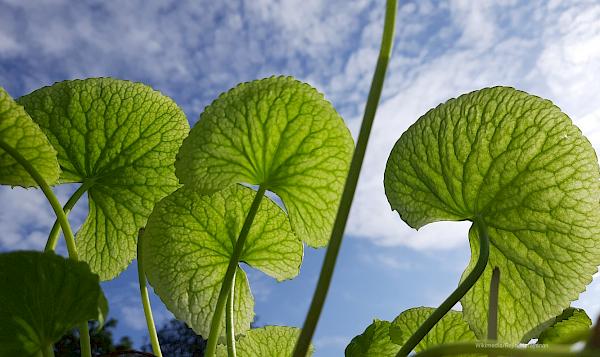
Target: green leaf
189, 241
20, 132
42, 296
571, 326
451, 328
374, 342
517, 163
274, 341
120, 139
280, 134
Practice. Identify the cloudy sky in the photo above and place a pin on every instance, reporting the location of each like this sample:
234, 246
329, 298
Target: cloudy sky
194, 50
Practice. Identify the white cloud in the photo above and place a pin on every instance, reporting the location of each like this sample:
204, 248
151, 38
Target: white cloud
26, 217
562, 65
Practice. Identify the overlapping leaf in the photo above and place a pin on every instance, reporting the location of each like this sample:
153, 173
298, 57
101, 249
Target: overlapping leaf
21, 133
375, 341
42, 296
120, 139
517, 163
273, 341
451, 328
569, 327
278, 133
189, 241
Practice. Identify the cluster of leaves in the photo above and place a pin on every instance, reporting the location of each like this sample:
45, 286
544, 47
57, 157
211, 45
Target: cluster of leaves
510, 162
516, 166
124, 143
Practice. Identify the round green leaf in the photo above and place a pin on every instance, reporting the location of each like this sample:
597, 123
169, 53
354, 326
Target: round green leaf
450, 329
120, 139
273, 341
20, 132
373, 342
280, 134
569, 327
517, 163
189, 241
42, 296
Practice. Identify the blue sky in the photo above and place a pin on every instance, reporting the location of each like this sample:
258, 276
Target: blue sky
194, 50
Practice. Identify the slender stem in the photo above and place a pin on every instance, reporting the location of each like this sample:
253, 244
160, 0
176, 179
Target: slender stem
60, 214
215, 325
48, 351
146, 299
486, 348
461, 290
492, 334
339, 226
229, 327
84, 332
53, 236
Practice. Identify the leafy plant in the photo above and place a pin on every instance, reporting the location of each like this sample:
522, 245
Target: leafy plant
192, 208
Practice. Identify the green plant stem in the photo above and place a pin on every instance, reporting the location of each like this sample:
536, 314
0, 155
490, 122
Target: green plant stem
501, 350
84, 332
229, 327
48, 351
53, 236
228, 281
146, 299
339, 226
492, 334
461, 290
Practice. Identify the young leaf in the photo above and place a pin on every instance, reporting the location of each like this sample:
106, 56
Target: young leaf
266, 341
42, 296
189, 240
517, 163
21, 133
374, 342
280, 134
571, 326
451, 328
120, 139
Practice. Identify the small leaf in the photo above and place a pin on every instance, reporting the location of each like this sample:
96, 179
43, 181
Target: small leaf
450, 329
42, 296
189, 241
571, 326
517, 163
21, 133
374, 342
278, 133
272, 341
120, 138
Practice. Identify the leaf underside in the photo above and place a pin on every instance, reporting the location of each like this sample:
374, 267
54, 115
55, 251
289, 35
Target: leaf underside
121, 139
569, 327
451, 328
273, 341
519, 164
42, 296
189, 241
373, 342
23, 134
278, 133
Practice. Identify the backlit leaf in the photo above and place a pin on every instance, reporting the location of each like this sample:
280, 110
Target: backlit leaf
120, 139
278, 133
517, 163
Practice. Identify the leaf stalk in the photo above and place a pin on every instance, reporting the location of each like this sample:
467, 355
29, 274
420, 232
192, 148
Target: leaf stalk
339, 226
228, 281
461, 290
84, 339
146, 299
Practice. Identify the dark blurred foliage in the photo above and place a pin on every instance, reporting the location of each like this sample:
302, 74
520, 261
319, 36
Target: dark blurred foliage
178, 340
